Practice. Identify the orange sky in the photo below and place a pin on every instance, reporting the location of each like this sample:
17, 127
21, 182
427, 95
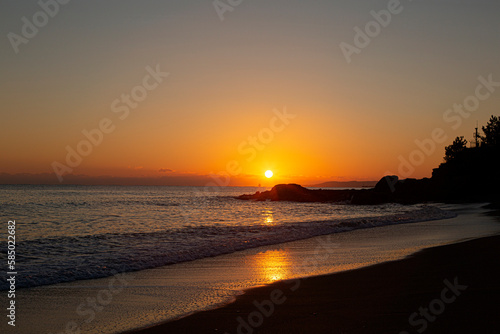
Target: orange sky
104, 66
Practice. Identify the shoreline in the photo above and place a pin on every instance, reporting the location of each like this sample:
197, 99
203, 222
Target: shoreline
417, 214
150, 297
374, 299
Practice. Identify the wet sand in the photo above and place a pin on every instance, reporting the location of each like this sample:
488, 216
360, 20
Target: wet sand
447, 289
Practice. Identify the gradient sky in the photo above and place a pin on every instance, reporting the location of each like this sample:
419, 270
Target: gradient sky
353, 121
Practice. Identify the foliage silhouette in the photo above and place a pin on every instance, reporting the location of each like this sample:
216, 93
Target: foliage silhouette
454, 150
492, 132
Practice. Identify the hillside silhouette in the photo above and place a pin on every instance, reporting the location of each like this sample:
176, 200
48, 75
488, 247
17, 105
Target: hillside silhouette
467, 173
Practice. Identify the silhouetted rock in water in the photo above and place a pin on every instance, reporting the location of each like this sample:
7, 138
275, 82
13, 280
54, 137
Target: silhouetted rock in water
388, 189
410, 191
391, 189
386, 184
297, 193
369, 197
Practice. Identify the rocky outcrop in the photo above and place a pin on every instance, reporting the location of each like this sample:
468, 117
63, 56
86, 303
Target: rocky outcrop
446, 185
297, 193
386, 184
388, 189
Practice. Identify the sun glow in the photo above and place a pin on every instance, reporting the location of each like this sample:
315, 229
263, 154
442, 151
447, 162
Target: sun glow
269, 173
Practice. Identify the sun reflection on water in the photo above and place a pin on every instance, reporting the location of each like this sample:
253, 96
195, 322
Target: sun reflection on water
267, 216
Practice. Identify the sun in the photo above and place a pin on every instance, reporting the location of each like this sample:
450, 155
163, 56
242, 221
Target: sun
269, 174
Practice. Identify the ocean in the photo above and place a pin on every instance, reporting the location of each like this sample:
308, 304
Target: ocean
70, 233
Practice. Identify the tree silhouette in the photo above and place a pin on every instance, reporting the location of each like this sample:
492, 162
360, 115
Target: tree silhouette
452, 151
492, 132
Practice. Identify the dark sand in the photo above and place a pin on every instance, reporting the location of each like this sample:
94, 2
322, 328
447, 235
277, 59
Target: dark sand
376, 299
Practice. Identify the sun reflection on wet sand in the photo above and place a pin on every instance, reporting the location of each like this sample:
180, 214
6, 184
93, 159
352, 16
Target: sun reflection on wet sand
273, 265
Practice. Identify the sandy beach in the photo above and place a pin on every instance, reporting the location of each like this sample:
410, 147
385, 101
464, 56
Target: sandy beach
445, 289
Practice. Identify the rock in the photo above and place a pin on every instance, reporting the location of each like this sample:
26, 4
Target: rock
296, 193
369, 197
387, 184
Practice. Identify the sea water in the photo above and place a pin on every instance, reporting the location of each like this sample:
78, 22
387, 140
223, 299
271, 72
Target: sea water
68, 233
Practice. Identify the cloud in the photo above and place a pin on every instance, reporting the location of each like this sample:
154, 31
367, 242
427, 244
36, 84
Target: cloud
165, 170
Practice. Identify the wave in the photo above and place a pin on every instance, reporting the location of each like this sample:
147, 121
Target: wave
63, 259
